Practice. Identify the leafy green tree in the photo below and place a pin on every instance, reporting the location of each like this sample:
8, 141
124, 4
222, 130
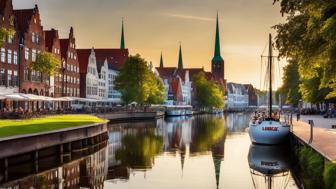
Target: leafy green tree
46, 63
9, 31
208, 93
308, 36
137, 83
291, 81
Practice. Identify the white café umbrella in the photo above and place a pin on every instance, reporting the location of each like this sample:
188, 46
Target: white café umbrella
16, 96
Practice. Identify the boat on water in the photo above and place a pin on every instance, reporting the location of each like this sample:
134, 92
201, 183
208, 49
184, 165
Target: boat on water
179, 110
266, 127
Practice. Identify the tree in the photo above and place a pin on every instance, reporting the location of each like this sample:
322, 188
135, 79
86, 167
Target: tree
46, 63
137, 83
291, 81
5, 32
208, 93
308, 37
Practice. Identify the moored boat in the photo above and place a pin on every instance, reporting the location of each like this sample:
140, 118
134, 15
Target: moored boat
267, 129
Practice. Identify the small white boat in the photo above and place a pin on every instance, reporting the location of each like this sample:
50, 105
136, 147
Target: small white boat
174, 112
178, 110
267, 129
189, 112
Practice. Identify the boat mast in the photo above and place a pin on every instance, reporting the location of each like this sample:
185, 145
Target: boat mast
270, 60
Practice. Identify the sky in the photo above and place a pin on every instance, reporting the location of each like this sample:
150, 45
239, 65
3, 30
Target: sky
155, 26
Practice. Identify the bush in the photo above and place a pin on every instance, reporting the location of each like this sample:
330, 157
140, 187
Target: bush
329, 175
312, 165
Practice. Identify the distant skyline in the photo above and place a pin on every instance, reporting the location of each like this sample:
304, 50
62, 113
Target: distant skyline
155, 26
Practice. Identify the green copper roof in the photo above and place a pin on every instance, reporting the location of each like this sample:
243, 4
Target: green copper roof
161, 61
122, 41
180, 61
217, 54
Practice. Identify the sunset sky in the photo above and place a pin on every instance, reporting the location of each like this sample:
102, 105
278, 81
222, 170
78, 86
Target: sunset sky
152, 26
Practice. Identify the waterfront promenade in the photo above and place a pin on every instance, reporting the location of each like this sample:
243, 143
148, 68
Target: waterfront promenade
324, 138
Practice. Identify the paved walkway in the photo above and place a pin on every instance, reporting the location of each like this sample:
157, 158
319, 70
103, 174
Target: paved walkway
324, 138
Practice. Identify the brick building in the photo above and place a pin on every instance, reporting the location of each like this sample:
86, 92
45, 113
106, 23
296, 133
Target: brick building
53, 45
9, 63
31, 36
69, 76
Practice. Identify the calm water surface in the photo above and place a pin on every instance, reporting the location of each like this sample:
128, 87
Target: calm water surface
201, 152
194, 152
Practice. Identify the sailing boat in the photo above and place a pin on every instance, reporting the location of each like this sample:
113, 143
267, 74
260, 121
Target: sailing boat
263, 128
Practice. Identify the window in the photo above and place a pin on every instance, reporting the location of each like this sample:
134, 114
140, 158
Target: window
16, 78
9, 77
9, 56
33, 37
34, 55
15, 58
2, 77
26, 75
3, 55
27, 53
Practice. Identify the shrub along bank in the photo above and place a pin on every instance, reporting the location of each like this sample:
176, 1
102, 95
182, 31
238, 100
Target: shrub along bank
315, 173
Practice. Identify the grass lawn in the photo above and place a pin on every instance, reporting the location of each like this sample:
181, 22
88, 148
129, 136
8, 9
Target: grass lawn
49, 123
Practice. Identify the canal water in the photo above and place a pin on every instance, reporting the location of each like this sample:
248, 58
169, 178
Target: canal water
200, 152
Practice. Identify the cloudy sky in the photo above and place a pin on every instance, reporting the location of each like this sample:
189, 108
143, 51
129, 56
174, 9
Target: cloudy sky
152, 26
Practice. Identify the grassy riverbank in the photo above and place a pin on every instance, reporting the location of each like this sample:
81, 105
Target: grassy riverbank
20, 127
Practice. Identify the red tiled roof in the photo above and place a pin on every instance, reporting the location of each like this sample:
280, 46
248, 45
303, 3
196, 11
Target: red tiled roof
23, 18
50, 36
115, 58
166, 72
64, 48
192, 72
83, 59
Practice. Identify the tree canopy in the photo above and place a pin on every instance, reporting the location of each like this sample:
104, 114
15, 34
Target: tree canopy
291, 82
46, 62
5, 32
308, 37
208, 93
137, 83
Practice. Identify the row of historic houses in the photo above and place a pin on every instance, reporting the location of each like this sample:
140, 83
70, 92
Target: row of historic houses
86, 73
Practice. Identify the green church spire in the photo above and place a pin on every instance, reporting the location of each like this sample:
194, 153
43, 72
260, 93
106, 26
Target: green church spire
122, 41
161, 61
217, 54
180, 61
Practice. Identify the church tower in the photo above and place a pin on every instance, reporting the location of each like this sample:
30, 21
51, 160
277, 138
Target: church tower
122, 40
217, 63
180, 60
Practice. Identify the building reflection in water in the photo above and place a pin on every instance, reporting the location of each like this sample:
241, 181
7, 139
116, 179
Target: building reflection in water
86, 171
133, 146
237, 122
269, 166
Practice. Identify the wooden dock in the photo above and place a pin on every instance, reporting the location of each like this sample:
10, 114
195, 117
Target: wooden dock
324, 138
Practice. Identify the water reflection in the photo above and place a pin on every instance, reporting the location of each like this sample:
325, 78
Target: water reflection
134, 146
183, 152
88, 172
269, 166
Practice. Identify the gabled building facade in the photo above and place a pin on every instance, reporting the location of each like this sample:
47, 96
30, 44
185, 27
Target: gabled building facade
53, 45
31, 42
69, 76
237, 96
9, 57
98, 70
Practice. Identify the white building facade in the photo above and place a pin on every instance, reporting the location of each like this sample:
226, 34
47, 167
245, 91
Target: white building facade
237, 96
